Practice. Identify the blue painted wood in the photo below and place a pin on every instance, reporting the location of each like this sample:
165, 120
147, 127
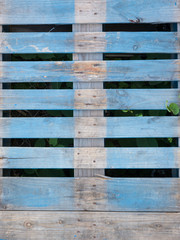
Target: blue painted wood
70, 71
115, 158
116, 194
133, 11
88, 99
112, 127
117, 11
143, 127
141, 157
111, 42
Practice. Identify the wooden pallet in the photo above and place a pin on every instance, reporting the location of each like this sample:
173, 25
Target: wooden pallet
83, 207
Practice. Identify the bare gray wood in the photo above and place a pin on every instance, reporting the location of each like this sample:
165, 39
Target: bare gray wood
178, 29
90, 194
88, 113
38, 225
1, 113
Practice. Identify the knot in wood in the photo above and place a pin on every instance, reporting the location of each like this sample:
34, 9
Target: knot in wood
28, 225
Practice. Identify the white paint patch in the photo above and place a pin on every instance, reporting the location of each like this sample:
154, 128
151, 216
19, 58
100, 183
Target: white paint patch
46, 49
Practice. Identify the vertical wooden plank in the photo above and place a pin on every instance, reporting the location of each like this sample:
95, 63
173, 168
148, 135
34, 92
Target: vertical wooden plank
178, 56
86, 113
1, 171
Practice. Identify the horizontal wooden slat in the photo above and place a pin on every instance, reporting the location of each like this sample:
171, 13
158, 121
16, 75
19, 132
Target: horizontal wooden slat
87, 99
78, 11
109, 42
113, 194
88, 71
151, 157
89, 127
38, 225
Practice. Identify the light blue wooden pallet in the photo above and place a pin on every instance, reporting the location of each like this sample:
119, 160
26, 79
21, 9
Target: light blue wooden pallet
100, 207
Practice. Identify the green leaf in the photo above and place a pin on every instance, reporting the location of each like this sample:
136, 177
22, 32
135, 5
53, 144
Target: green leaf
40, 143
53, 141
146, 142
173, 108
170, 140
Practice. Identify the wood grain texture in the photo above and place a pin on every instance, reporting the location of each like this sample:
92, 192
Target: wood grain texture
87, 42
88, 99
39, 225
89, 127
178, 29
90, 158
78, 142
98, 194
90, 71
1, 113
78, 11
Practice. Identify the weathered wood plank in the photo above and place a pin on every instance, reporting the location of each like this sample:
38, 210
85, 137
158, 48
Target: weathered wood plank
98, 11
92, 99
178, 56
89, 127
90, 71
113, 194
38, 225
78, 142
109, 42
1, 113
91, 158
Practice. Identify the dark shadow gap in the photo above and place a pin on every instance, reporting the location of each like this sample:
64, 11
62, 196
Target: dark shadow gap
39, 28
141, 142
38, 57
42, 85
136, 27
39, 142
40, 173
142, 173
136, 56
138, 85
38, 113
135, 113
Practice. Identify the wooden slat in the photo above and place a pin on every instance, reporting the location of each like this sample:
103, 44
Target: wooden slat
38, 225
1, 113
93, 99
89, 127
90, 71
90, 158
78, 11
109, 42
118, 194
78, 142
178, 56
